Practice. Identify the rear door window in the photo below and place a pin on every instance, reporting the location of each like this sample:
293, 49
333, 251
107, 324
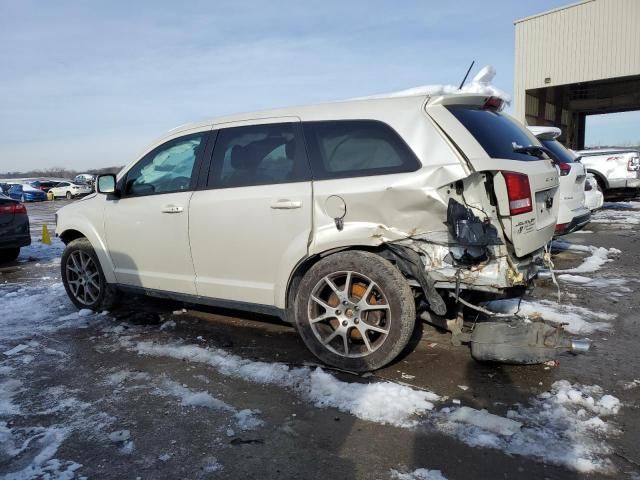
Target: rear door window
495, 131
258, 155
356, 148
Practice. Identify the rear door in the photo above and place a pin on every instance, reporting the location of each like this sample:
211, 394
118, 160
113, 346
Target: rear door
251, 222
488, 139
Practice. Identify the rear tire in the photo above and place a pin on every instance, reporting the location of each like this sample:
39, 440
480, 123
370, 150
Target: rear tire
83, 277
9, 254
354, 310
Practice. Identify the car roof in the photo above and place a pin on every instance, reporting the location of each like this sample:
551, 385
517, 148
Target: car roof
376, 107
607, 151
545, 133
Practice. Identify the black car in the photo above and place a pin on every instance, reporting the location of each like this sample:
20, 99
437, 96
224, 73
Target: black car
14, 228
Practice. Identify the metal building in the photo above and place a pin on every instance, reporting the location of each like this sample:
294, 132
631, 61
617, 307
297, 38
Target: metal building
575, 61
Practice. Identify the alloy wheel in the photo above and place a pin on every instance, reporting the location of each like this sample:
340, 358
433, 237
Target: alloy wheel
83, 277
349, 314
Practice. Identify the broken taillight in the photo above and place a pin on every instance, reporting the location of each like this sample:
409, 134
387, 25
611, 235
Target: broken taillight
519, 192
565, 168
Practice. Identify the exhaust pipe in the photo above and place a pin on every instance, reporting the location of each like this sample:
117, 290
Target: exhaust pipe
580, 346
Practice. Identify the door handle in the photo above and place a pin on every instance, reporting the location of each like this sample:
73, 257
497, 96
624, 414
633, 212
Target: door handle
172, 209
286, 204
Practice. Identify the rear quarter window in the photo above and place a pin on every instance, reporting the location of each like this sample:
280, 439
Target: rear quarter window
496, 132
356, 148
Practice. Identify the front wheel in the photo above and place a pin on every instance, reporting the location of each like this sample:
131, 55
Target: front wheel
83, 278
354, 310
68, 195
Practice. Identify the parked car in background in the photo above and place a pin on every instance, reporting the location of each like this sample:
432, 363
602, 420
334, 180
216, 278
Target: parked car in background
572, 212
617, 170
70, 190
26, 193
593, 197
14, 228
85, 178
379, 211
43, 185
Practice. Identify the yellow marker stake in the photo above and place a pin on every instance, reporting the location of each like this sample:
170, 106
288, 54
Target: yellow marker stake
45, 235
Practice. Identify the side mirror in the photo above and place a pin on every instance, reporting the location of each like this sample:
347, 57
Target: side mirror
106, 184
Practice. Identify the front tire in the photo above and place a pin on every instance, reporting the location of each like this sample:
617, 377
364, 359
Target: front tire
68, 195
354, 310
83, 277
9, 254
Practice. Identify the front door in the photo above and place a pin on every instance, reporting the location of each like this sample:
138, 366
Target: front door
252, 224
147, 228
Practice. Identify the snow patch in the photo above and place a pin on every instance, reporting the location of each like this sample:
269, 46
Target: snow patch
578, 320
419, 474
383, 402
480, 85
594, 262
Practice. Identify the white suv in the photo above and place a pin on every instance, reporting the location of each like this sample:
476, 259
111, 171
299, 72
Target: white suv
347, 219
573, 213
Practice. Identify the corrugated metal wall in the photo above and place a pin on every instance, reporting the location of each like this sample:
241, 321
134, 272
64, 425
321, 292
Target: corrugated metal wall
592, 40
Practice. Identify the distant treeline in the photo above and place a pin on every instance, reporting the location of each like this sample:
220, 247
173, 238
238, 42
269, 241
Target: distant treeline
58, 172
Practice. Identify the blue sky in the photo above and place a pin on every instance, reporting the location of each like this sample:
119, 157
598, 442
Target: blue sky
89, 84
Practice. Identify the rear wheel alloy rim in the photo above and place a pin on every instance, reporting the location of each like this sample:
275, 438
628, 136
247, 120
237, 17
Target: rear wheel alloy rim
349, 314
83, 277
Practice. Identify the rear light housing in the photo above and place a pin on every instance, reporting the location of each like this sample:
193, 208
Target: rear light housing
494, 104
565, 168
519, 192
561, 227
634, 164
13, 209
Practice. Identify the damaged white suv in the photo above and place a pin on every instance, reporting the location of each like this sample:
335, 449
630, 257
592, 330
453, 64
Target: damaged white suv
346, 219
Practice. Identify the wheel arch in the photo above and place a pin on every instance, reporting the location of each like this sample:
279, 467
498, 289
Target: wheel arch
305, 264
73, 233
600, 177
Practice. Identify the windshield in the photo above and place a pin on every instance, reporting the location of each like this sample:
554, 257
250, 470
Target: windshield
562, 154
496, 132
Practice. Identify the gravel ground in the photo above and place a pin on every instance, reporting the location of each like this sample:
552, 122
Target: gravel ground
157, 390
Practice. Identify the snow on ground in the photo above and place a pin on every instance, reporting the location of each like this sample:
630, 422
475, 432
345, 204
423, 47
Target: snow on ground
32, 449
29, 311
41, 251
384, 402
594, 262
246, 419
419, 474
578, 320
623, 214
564, 426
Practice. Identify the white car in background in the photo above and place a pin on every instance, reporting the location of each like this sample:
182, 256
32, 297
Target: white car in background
593, 197
572, 211
617, 170
70, 190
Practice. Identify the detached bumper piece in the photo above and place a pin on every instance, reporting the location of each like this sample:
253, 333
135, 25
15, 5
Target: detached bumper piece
521, 342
